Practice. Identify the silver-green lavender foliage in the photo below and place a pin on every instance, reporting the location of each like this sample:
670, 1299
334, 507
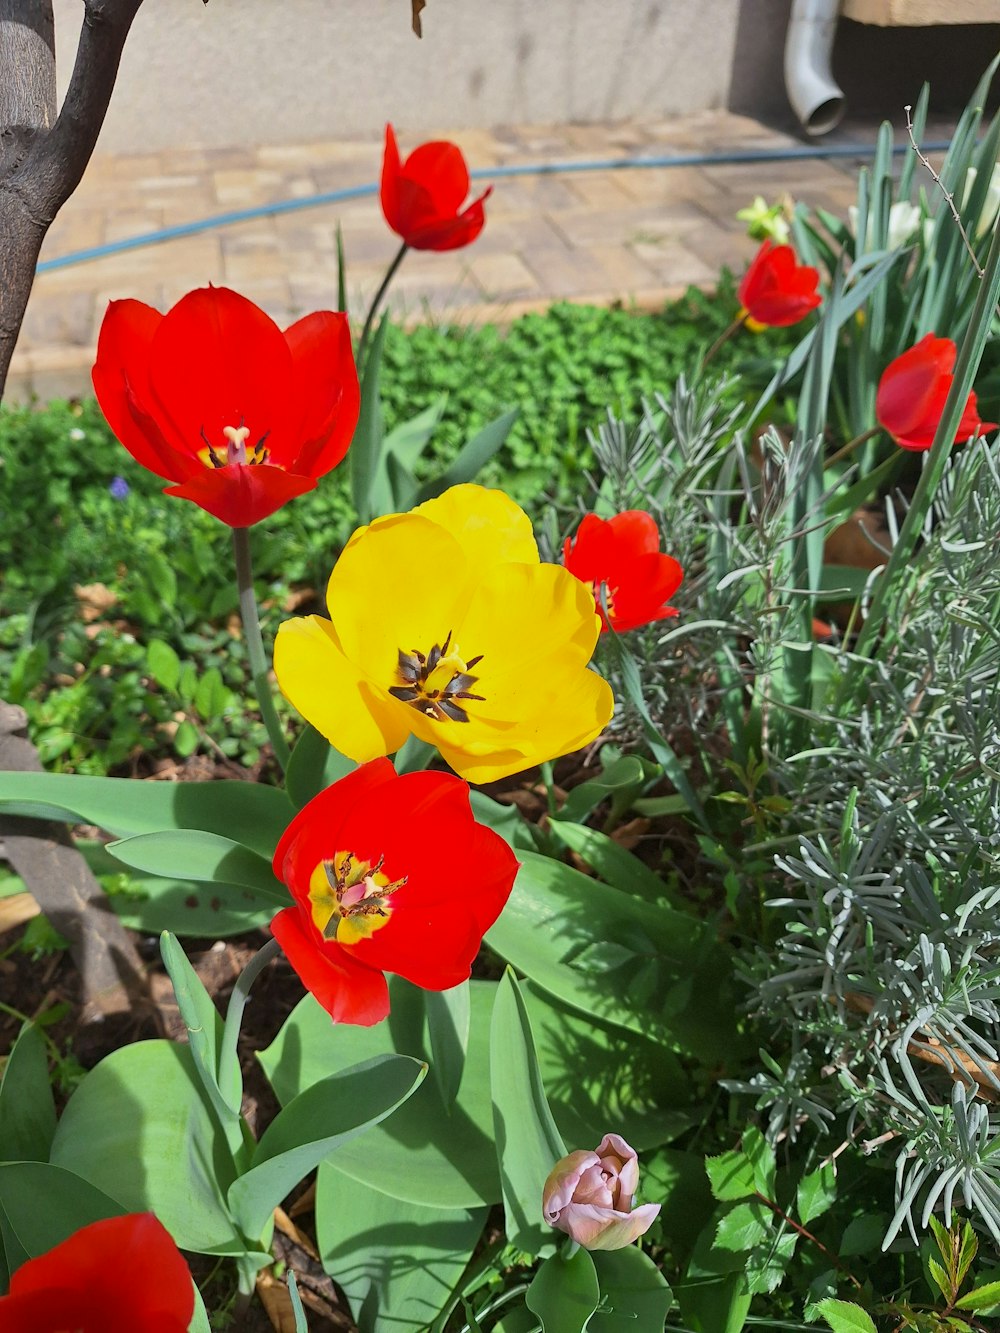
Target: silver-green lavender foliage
881, 987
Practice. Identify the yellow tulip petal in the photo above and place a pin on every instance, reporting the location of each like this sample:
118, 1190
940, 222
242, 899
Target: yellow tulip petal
572, 714
401, 583
523, 612
487, 524
332, 694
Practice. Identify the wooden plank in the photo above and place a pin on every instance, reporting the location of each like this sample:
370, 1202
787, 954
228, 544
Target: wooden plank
920, 13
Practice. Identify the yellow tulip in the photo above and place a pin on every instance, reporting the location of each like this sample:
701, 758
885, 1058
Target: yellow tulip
445, 624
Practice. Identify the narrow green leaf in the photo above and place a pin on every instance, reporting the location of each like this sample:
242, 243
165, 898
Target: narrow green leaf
528, 1144
564, 1293
844, 1317
250, 813
204, 1029
297, 1311
314, 765
366, 448
611, 861
473, 456
315, 1124
27, 1110
448, 1017
206, 857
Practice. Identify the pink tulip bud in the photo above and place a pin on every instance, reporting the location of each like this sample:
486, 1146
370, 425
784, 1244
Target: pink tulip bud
589, 1196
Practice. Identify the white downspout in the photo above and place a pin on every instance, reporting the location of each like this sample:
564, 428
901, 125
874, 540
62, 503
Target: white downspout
817, 101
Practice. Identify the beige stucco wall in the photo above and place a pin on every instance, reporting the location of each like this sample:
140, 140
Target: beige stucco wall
278, 71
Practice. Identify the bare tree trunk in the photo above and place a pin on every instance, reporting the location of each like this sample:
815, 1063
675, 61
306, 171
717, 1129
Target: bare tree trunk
42, 155
42, 853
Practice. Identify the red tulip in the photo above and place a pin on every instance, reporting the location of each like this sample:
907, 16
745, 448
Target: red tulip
912, 392
777, 290
214, 397
389, 874
116, 1276
624, 554
421, 196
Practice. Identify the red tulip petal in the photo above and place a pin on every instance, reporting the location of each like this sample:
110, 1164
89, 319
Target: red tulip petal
635, 531
438, 169
389, 191
347, 990
642, 592
970, 423
217, 360
241, 495
325, 381
453, 233
121, 383
910, 398
776, 290
317, 824
151, 1285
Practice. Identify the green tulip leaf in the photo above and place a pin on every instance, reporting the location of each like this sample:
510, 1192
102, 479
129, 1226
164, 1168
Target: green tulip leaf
635, 1296
449, 1014
70, 1203
397, 1262
206, 857
314, 766
27, 1110
649, 969
141, 1129
564, 1293
528, 1144
314, 1124
249, 813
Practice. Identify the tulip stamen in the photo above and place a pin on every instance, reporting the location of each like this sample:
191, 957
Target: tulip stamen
351, 898
432, 683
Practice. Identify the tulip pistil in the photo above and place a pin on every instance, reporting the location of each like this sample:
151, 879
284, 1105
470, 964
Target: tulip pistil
435, 681
351, 897
236, 449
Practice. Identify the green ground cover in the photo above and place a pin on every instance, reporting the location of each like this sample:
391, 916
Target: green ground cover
79, 660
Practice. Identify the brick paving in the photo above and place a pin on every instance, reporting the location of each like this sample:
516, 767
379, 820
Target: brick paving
636, 235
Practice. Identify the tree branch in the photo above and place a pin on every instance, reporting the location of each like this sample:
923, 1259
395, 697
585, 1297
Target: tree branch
44, 156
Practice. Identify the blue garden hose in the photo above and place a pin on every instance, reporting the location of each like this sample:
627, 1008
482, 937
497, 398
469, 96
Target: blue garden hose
486, 173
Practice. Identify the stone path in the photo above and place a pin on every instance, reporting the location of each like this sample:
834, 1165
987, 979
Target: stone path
638, 235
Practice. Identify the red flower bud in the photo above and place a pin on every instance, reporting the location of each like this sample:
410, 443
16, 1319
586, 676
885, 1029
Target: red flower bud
776, 289
912, 392
624, 554
421, 197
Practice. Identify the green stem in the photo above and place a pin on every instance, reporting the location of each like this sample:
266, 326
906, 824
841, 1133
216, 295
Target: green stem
851, 445
724, 337
390, 273
967, 363
230, 1080
259, 666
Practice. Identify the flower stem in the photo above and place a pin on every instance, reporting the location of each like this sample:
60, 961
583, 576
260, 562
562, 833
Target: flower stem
851, 445
390, 273
255, 645
230, 1079
724, 337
